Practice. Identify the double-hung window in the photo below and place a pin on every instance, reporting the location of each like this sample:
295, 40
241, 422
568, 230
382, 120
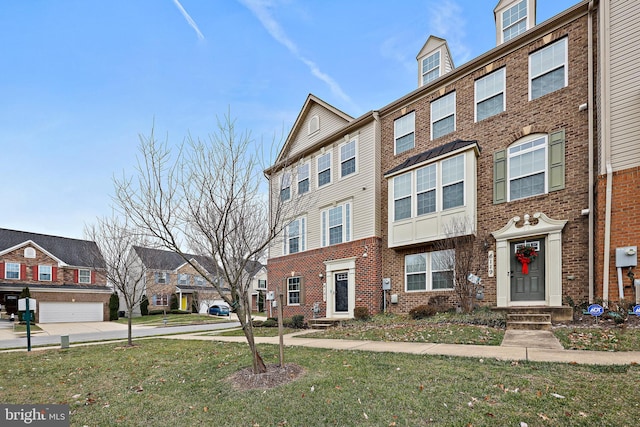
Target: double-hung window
336, 224
431, 67
426, 189
527, 168
295, 236
324, 169
453, 182
514, 21
285, 188
348, 158
84, 276
429, 271
548, 69
183, 279
161, 299
44, 273
402, 196
161, 277
199, 280
262, 284
303, 178
404, 132
490, 99
443, 115
12, 270
293, 290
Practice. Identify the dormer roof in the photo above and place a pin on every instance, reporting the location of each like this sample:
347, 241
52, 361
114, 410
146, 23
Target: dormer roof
434, 60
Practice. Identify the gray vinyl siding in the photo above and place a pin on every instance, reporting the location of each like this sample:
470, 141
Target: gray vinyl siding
329, 123
625, 75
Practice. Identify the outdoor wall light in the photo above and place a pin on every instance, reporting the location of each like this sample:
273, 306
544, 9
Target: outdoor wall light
321, 275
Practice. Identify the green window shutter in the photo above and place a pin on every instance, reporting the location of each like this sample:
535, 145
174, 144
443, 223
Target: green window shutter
556, 160
500, 176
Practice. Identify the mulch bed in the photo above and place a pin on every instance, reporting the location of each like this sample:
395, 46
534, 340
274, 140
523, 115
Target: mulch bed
275, 376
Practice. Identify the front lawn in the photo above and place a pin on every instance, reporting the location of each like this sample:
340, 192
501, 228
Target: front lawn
482, 327
170, 382
599, 339
174, 319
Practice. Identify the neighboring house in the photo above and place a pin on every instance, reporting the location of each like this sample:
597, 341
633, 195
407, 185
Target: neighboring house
617, 168
328, 257
498, 146
65, 276
258, 273
167, 273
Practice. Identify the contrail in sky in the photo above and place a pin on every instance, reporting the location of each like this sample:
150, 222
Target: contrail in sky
188, 18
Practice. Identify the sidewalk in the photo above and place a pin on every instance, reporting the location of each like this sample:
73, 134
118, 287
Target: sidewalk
503, 352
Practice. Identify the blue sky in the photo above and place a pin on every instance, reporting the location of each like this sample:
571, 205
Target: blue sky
82, 79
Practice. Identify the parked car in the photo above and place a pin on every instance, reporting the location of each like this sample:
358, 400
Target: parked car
219, 310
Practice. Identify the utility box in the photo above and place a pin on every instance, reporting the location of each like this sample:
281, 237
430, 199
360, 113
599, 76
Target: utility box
64, 341
627, 257
386, 284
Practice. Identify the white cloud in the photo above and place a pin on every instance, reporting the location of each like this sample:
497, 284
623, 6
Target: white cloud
260, 9
190, 21
446, 21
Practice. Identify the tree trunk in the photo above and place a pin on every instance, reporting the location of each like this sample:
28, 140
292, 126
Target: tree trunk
258, 364
129, 338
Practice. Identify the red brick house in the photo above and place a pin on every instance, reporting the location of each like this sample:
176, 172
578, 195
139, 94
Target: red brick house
500, 146
65, 276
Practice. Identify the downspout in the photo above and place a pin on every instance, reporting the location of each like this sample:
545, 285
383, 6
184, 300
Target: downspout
591, 159
605, 84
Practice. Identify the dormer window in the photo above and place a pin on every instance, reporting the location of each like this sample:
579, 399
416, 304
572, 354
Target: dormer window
514, 21
514, 17
430, 68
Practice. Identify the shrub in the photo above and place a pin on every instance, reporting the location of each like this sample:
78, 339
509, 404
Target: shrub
155, 312
173, 305
114, 305
144, 306
287, 322
361, 313
440, 303
297, 321
176, 311
258, 323
270, 323
422, 311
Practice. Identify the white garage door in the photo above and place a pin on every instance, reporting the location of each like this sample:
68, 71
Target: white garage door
58, 312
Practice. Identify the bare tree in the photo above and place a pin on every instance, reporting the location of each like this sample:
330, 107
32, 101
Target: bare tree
464, 258
206, 197
115, 239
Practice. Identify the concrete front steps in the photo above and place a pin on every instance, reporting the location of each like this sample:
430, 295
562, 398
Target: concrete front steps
323, 323
535, 318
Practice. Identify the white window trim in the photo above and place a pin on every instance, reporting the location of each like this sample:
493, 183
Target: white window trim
412, 183
6, 270
524, 140
285, 182
314, 125
396, 136
180, 276
41, 271
355, 156
503, 28
80, 276
438, 67
438, 189
433, 120
302, 230
428, 275
347, 224
308, 165
260, 282
164, 275
503, 92
299, 291
563, 40
330, 168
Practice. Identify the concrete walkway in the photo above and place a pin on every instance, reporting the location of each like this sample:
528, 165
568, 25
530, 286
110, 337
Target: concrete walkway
540, 346
517, 346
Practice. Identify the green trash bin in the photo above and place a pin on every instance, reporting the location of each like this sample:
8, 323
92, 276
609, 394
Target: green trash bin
64, 341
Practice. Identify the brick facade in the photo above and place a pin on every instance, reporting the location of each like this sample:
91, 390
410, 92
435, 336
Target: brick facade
625, 227
551, 112
309, 264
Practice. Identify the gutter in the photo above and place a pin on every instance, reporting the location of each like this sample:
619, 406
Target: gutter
591, 253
